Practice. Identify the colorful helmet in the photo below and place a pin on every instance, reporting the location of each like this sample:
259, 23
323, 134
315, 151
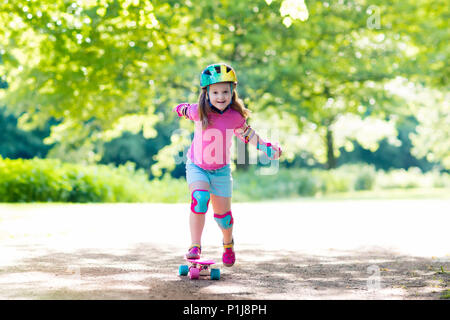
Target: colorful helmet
218, 72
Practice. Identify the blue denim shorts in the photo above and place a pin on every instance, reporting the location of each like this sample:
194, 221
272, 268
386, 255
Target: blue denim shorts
220, 180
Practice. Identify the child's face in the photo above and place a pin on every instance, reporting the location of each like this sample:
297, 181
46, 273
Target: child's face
220, 95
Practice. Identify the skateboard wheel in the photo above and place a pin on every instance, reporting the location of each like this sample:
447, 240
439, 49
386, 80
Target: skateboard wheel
215, 274
194, 273
183, 270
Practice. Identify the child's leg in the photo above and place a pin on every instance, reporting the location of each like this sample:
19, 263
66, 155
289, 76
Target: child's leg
196, 224
196, 219
224, 218
222, 206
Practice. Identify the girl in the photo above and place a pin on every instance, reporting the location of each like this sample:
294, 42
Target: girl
218, 113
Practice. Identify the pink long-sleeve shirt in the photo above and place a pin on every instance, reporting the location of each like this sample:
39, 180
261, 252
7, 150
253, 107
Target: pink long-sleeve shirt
210, 148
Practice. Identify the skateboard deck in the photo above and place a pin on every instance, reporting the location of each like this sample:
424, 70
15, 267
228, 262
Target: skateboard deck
200, 261
199, 268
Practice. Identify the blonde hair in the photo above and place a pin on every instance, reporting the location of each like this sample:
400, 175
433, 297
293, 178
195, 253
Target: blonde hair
204, 107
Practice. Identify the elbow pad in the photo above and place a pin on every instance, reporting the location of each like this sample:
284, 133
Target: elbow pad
245, 133
269, 149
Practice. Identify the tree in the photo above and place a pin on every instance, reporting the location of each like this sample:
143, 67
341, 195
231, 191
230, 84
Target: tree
389, 155
104, 67
425, 73
94, 65
432, 112
339, 62
16, 143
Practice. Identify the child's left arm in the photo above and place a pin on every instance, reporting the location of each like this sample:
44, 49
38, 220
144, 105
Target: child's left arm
248, 135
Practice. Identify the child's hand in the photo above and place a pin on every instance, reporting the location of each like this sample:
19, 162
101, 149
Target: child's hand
273, 152
181, 110
276, 152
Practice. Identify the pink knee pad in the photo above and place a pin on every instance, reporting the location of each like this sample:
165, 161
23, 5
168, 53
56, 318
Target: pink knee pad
225, 221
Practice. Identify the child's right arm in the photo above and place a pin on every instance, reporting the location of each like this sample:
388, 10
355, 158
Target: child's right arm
186, 110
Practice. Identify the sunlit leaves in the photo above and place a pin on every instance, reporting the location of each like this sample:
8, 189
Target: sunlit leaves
105, 66
293, 10
86, 62
134, 124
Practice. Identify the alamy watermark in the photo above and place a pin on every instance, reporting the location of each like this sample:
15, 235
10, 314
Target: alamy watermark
445, 259
374, 280
374, 20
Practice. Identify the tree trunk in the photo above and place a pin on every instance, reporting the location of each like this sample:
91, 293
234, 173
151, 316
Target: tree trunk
331, 159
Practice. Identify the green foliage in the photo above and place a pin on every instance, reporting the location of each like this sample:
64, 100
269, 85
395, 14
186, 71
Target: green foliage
17, 143
50, 180
445, 294
333, 181
423, 25
308, 185
294, 182
389, 156
169, 190
94, 65
108, 66
365, 179
412, 178
54, 181
431, 139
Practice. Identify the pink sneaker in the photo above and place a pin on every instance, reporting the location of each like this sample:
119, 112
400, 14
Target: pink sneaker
228, 257
194, 252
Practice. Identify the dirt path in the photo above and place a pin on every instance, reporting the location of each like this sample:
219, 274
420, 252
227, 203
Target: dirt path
290, 250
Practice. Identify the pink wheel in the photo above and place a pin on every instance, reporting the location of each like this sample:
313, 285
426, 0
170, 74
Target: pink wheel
194, 273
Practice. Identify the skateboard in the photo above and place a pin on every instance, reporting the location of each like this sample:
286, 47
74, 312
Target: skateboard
200, 268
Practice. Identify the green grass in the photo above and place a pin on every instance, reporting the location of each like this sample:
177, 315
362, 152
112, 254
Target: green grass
445, 294
386, 194
392, 194
180, 196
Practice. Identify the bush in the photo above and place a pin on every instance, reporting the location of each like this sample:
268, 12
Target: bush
365, 178
47, 180
308, 184
250, 186
294, 182
440, 180
334, 180
50, 180
364, 181
404, 179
